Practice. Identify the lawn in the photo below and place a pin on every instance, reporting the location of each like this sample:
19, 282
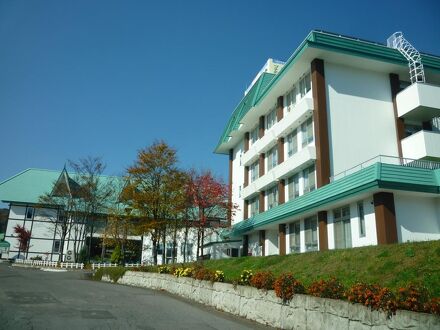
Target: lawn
392, 266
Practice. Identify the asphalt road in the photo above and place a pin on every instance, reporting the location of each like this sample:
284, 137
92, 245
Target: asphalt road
35, 299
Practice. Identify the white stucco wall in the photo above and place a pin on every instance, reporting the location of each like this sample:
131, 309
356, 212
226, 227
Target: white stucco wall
237, 182
360, 115
418, 218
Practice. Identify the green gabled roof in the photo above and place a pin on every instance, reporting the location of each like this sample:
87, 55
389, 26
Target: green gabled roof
376, 176
246, 104
29, 185
336, 43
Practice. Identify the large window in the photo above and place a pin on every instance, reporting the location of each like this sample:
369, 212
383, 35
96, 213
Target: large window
309, 179
342, 227
292, 143
271, 118
293, 186
56, 246
253, 137
254, 168
188, 250
361, 215
170, 253
272, 158
272, 197
290, 99
305, 85
311, 233
295, 237
254, 205
307, 132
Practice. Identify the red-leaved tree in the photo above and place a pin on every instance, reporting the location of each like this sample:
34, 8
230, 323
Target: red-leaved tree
23, 237
210, 199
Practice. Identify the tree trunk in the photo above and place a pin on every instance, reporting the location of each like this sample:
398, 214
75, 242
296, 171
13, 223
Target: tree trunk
164, 251
90, 242
198, 243
154, 250
185, 242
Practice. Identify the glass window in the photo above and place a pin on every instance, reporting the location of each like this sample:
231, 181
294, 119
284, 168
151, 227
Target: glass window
311, 233
189, 249
292, 143
56, 246
293, 186
271, 118
253, 135
169, 253
290, 99
29, 212
309, 179
307, 132
295, 237
255, 168
254, 205
272, 158
305, 85
342, 227
272, 197
361, 219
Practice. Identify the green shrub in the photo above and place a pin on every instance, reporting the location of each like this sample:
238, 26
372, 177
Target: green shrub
116, 257
245, 277
331, 288
115, 273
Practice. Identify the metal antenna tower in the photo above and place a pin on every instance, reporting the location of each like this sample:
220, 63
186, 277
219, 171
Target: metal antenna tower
416, 72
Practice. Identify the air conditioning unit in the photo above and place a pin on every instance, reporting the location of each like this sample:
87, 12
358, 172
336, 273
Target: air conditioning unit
70, 256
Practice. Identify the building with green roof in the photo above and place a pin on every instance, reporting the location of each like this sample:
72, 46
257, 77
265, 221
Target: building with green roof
337, 147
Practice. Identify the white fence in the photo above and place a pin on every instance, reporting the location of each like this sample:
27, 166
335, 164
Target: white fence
106, 265
45, 263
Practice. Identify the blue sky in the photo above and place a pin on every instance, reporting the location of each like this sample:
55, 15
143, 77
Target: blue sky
106, 78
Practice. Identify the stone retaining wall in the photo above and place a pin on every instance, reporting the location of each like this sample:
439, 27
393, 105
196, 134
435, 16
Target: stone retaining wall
303, 312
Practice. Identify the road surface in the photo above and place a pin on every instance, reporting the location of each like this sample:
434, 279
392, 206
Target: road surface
35, 299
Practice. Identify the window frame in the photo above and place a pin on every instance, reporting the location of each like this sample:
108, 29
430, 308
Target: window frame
361, 216
292, 148
312, 237
272, 194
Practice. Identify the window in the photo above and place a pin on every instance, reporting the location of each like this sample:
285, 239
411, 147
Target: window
254, 204
56, 246
305, 85
30, 212
170, 253
361, 219
292, 143
254, 135
309, 179
293, 186
254, 171
271, 118
272, 158
342, 227
307, 132
159, 248
290, 99
239, 191
311, 233
272, 197
189, 249
295, 237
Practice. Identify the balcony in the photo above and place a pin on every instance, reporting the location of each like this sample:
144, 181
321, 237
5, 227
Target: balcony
301, 111
302, 159
421, 145
419, 102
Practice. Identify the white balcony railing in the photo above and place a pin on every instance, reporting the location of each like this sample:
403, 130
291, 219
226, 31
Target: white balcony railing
291, 165
422, 144
419, 102
301, 111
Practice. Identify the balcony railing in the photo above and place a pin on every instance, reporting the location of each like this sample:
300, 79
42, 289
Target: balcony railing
408, 162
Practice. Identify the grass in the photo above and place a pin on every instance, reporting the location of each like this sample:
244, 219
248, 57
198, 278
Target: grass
392, 266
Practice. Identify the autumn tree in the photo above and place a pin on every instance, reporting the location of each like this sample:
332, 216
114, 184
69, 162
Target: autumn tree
24, 239
209, 198
155, 191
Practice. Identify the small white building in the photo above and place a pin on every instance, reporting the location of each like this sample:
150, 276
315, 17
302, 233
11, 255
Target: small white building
338, 147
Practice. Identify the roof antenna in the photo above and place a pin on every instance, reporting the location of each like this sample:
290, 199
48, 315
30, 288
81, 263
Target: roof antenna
416, 72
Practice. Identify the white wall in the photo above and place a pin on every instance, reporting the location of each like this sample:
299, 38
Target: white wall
418, 218
360, 115
271, 243
237, 182
254, 243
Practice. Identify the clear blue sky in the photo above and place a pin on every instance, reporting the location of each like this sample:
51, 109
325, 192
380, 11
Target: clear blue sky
106, 78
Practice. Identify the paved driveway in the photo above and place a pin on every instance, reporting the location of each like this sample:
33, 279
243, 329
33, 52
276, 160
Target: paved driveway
34, 299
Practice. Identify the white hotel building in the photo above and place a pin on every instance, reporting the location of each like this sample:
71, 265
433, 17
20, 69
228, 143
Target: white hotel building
338, 147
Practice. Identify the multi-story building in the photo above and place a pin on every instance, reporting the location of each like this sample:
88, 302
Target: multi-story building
337, 148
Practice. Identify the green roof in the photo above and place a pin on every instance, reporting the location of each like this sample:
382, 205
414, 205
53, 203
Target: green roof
374, 177
27, 186
332, 42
